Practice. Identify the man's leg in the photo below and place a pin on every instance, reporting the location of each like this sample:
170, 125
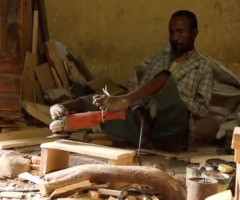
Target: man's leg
171, 124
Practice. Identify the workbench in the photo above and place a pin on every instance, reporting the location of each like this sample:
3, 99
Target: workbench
55, 155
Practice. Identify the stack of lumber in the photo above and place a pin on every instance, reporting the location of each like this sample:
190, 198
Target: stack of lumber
45, 73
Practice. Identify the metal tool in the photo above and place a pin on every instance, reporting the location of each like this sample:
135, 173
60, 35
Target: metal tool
84, 120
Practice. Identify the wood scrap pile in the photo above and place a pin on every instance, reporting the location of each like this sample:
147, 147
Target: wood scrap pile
49, 74
95, 181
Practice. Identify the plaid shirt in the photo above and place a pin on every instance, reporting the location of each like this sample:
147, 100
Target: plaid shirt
194, 80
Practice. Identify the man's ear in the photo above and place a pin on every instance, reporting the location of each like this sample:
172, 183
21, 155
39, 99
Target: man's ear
195, 32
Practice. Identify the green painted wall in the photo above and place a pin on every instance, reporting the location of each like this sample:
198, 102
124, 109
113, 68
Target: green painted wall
112, 36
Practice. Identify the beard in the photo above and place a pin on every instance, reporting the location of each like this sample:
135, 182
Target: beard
179, 47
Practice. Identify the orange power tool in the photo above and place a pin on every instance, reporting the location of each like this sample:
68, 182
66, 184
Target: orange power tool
85, 120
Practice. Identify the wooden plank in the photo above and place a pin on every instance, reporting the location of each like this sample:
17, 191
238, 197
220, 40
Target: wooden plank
28, 80
41, 107
50, 160
60, 191
56, 77
43, 20
109, 192
10, 83
39, 111
10, 101
32, 133
17, 195
93, 194
57, 62
123, 161
30, 177
35, 33
45, 77
27, 26
236, 138
90, 149
24, 142
202, 159
237, 155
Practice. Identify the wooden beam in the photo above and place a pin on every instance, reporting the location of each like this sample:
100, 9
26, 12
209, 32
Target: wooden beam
24, 142
43, 20
28, 133
35, 32
27, 26
236, 138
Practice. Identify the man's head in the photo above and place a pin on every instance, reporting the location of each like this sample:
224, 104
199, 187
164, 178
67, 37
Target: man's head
183, 29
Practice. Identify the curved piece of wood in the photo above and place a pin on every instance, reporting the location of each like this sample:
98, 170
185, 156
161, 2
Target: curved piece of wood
170, 188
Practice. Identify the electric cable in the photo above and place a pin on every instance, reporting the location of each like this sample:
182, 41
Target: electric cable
140, 142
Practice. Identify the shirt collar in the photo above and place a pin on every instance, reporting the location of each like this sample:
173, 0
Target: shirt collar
184, 56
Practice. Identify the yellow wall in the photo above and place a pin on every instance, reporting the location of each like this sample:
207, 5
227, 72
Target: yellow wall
112, 36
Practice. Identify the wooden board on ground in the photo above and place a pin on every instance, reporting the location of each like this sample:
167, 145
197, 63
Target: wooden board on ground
28, 133
17, 195
89, 149
76, 186
45, 77
24, 142
39, 111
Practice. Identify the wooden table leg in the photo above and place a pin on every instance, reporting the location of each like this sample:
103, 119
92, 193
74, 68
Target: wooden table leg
52, 160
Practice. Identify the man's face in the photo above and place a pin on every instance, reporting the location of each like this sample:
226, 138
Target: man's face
181, 34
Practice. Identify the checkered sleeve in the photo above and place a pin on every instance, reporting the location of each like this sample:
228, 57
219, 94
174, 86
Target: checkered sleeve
199, 103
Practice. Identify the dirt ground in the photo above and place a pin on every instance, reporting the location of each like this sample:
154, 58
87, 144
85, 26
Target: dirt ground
173, 164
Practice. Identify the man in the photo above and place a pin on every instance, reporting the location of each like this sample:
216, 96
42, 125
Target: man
166, 93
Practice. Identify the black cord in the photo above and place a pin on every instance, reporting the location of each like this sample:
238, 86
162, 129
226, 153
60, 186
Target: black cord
140, 142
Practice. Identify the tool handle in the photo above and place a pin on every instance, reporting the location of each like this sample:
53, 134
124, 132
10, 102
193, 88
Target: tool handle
114, 115
90, 119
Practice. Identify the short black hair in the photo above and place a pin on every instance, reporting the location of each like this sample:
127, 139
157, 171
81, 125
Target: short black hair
190, 15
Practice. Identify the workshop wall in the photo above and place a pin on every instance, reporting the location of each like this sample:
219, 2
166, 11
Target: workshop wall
112, 36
